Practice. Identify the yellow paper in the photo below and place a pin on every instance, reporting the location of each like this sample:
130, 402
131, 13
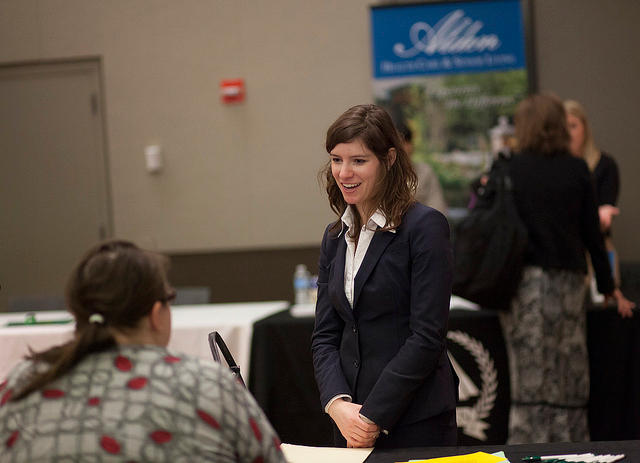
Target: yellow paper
478, 457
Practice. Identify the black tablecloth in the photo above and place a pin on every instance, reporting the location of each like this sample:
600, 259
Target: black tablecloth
282, 380
614, 358
282, 377
630, 448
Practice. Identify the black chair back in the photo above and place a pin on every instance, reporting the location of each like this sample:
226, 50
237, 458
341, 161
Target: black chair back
215, 342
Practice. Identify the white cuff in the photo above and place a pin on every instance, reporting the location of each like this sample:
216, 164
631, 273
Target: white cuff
346, 397
369, 421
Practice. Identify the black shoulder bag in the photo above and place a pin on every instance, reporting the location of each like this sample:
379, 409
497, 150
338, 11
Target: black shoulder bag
489, 245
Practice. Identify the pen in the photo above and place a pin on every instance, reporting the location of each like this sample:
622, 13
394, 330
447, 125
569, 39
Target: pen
550, 458
575, 458
43, 322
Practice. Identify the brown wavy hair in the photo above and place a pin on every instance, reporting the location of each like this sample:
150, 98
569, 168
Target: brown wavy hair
395, 189
116, 280
541, 125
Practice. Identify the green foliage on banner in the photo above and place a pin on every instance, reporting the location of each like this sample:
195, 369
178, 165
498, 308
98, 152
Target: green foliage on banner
451, 117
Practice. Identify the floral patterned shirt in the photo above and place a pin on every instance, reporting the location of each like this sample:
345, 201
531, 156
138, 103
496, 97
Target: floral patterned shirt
135, 403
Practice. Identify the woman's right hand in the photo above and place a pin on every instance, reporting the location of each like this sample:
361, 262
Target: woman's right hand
354, 429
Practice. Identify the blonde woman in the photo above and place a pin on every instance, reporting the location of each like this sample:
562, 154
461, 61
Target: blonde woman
604, 170
602, 166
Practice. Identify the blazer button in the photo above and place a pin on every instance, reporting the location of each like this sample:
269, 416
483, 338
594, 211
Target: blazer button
355, 330
356, 364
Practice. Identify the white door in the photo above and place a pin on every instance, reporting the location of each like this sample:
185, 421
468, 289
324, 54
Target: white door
53, 178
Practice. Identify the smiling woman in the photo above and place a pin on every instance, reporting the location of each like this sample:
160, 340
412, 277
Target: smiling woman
384, 284
356, 171
364, 135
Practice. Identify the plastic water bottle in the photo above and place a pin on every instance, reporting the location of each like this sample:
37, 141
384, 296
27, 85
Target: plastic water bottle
301, 278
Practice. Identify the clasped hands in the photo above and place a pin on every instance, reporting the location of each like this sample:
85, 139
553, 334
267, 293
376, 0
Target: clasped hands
353, 428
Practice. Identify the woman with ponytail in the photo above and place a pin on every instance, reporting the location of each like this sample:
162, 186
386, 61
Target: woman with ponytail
115, 392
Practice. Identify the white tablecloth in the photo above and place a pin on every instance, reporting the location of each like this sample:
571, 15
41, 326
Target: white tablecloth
191, 325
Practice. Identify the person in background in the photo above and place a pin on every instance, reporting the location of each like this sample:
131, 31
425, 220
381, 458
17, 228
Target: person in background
428, 190
602, 166
545, 330
114, 392
384, 285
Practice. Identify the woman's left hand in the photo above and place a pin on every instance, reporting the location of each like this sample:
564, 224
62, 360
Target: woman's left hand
607, 212
625, 306
356, 431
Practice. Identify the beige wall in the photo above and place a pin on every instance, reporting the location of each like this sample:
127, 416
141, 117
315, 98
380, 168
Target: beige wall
244, 176
587, 50
235, 176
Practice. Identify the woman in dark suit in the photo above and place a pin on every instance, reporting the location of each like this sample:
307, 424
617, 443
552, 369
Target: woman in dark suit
384, 287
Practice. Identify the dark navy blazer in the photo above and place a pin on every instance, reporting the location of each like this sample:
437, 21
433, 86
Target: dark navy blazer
388, 352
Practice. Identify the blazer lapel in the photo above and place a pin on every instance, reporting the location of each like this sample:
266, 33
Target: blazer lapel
378, 244
337, 276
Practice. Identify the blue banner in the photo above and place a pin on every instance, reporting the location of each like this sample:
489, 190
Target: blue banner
447, 38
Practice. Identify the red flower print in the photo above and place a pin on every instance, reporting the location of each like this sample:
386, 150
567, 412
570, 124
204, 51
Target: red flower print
276, 443
256, 429
210, 420
93, 401
160, 436
52, 393
3, 384
12, 439
172, 359
110, 444
137, 383
122, 363
5, 398
258, 459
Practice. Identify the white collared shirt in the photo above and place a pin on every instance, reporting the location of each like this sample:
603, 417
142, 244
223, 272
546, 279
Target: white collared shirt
355, 255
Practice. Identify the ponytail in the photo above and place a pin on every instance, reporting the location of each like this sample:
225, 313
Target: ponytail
93, 338
112, 288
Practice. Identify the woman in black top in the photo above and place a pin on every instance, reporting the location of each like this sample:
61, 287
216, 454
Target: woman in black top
602, 165
605, 174
545, 329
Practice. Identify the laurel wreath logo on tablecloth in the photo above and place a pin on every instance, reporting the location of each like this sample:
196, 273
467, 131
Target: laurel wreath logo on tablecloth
470, 419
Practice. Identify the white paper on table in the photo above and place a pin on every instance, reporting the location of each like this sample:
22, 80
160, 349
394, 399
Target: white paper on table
303, 454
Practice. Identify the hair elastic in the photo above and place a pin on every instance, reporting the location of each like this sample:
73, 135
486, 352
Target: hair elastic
96, 318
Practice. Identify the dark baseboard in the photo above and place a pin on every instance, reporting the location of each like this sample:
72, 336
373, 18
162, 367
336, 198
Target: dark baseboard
243, 276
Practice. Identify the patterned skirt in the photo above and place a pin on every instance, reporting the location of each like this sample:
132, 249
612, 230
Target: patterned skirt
545, 334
